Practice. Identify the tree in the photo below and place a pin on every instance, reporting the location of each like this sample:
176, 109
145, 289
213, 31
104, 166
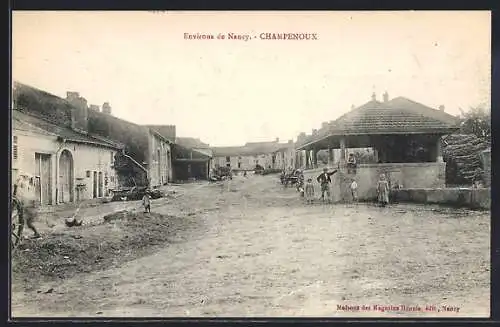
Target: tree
476, 121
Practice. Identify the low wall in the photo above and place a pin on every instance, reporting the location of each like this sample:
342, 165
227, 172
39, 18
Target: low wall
479, 198
408, 175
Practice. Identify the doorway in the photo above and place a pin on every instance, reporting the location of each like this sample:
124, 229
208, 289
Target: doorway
101, 186
43, 171
94, 181
66, 177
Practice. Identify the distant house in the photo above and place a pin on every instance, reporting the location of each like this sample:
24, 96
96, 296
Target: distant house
265, 154
192, 159
284, 156
69, 165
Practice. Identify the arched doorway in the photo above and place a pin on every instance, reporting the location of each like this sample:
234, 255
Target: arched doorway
66, 177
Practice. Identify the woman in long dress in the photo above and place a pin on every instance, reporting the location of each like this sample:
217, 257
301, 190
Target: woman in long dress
383, 191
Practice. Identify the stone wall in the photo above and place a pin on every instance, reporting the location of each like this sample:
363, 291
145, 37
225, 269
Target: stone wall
479, 198
135, 137
407, 175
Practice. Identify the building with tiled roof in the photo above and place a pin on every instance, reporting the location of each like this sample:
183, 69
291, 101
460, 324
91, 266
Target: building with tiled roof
141, 155
191, 142
69, 165
25, 122
399, 116
404, 134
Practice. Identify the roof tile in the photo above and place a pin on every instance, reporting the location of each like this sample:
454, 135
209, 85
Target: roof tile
27, 122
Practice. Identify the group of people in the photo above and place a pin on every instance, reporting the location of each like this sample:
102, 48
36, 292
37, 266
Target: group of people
325, 180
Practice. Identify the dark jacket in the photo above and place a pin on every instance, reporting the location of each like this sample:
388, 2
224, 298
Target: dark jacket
325, 177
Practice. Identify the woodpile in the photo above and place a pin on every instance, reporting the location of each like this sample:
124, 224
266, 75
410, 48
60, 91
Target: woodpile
462, 154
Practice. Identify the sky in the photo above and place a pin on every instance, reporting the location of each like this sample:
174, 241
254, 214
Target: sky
229, 91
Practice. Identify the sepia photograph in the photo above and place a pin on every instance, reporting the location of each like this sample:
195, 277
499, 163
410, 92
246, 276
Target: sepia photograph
250, 164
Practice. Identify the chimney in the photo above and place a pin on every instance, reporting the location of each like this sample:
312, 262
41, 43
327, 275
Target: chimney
441, 108
314, 131
94, 107
71, 96
324, 125
106, 108
374, 97
277, 140
79, 111
386, 96
290, 141
353, 107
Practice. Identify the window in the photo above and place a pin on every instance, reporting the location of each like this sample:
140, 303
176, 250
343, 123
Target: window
239, 164
228, 159
14, 147
112, 157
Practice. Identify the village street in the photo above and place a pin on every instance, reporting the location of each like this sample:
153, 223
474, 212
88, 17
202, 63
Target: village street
253, 249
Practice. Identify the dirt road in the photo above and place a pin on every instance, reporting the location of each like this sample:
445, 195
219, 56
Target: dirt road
254, 250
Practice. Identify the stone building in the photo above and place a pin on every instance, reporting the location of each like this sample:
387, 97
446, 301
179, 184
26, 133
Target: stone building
192, 159
148, 154
145, 157
70, 165
272, 154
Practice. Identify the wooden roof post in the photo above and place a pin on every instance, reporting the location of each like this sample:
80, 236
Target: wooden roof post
308, 154
330, 157
342, 150
439, 151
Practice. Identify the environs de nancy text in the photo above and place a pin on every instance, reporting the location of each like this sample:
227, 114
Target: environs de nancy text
248, 37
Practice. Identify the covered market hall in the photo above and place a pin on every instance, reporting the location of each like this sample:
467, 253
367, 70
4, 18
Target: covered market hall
405, 137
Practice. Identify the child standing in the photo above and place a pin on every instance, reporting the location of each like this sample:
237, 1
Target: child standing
354, 190
309, 191
383, 191
146, 202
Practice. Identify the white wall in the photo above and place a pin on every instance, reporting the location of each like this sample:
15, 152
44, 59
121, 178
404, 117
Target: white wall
246, 162
28, 144
156, 143
89, 158
285, 159
86, 157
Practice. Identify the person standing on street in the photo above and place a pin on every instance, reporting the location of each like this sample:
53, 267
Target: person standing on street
324, 180
25, 193
309, 189
383, 191
146, 202
354, 190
